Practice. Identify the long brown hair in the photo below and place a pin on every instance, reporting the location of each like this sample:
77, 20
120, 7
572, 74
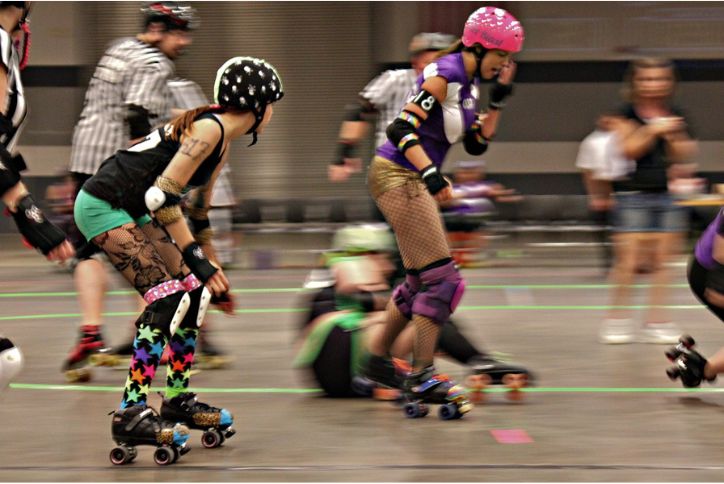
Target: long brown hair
181, 124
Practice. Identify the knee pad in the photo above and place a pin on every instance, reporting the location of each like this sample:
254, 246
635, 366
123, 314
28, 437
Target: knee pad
11, 362
166, 313
200, 299
404, 294
444, 289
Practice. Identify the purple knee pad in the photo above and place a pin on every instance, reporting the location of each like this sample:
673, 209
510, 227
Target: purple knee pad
404, 294
445, 288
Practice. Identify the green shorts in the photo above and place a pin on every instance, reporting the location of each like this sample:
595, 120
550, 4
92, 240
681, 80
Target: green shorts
94, 216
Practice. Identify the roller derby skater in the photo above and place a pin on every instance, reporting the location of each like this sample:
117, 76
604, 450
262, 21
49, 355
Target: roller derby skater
706, 280
171, 266
11, 362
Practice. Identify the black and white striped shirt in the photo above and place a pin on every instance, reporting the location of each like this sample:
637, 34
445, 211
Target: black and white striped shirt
388, 93
15, 108
130, 72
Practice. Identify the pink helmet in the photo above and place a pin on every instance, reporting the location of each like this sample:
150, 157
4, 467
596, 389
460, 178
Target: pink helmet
493, 28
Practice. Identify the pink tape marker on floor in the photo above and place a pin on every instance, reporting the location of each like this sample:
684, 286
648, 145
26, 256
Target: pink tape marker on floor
511, 436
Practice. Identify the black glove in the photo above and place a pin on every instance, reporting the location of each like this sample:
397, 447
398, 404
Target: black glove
498, 93
35, 228
225, 302
198, 263
433, 179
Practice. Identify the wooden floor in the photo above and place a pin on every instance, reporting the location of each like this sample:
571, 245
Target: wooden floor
599, 413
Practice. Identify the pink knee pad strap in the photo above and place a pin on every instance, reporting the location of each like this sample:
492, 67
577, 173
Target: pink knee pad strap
404, 294
445, 288
162, 290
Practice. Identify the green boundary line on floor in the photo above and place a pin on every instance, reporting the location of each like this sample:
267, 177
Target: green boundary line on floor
96, 388
299, 310
12, 295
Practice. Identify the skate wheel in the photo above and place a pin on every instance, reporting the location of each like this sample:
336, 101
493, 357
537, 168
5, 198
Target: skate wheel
515, 382
673, 373
449, 411
211, 439
132, 454
80, 375
672, 354
476, 387
176, 454
415, 410
687, 341
163, 456
120, 455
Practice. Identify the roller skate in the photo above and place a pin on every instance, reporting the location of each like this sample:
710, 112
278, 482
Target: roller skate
688, 363
215, 422
385, 376
486, 371
423, 387
88, 352
141, 425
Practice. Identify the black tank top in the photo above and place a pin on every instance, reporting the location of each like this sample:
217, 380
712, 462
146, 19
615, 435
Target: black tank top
122, 180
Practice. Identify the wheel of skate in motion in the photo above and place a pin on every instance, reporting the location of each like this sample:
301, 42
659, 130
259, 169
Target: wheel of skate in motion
132, 453
449, 411
121, 455
476, 385
515, 382
163, 456
211, 438
176, 454
672, 354
673, 373
80, 375
415, 410
687, 341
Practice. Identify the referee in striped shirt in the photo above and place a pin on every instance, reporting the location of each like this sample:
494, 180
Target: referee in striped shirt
128, 94
383, 98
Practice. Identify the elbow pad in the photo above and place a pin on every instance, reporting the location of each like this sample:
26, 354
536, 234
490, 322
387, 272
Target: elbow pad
401, 132
138, 121
163, 198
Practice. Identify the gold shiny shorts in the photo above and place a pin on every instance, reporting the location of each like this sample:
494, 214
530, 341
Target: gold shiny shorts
385, 175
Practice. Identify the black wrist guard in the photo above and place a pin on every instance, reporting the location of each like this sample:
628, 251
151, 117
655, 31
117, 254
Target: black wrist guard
138, 121
474, 142
198, 263
345, 150
433, 179
715, 278
498, 93
35, 228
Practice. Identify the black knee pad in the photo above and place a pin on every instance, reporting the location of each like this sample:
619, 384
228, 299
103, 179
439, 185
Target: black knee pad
166, 313
199, 300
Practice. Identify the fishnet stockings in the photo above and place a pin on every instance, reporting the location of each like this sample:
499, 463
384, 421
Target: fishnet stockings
426, 334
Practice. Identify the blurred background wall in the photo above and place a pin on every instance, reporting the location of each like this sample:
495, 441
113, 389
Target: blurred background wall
568, 73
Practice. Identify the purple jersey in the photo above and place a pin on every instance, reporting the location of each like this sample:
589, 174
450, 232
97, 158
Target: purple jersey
704, 250
447, 122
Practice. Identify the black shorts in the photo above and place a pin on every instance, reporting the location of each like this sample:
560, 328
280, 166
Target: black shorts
697, 282
332, 366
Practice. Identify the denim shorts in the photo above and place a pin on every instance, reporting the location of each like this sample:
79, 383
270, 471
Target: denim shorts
648, 212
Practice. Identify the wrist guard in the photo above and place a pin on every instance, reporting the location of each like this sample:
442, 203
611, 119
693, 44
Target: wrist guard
433, 179
345, 149
35, 228
198, 263
498, 93
474, 142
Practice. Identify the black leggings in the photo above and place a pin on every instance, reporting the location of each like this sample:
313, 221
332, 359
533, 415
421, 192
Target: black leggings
332, 366
697, 275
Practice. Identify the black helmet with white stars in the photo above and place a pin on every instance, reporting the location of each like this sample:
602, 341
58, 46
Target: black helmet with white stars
248, 83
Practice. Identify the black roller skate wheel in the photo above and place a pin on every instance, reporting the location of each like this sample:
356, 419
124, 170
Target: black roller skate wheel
163, 456
120, 455
415, 410
673, 373
672, 354
687, 341
449, 411
211, 439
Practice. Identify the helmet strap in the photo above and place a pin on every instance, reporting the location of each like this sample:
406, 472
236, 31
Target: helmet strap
252, 131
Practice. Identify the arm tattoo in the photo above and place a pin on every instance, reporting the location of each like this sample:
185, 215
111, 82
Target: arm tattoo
194, 148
